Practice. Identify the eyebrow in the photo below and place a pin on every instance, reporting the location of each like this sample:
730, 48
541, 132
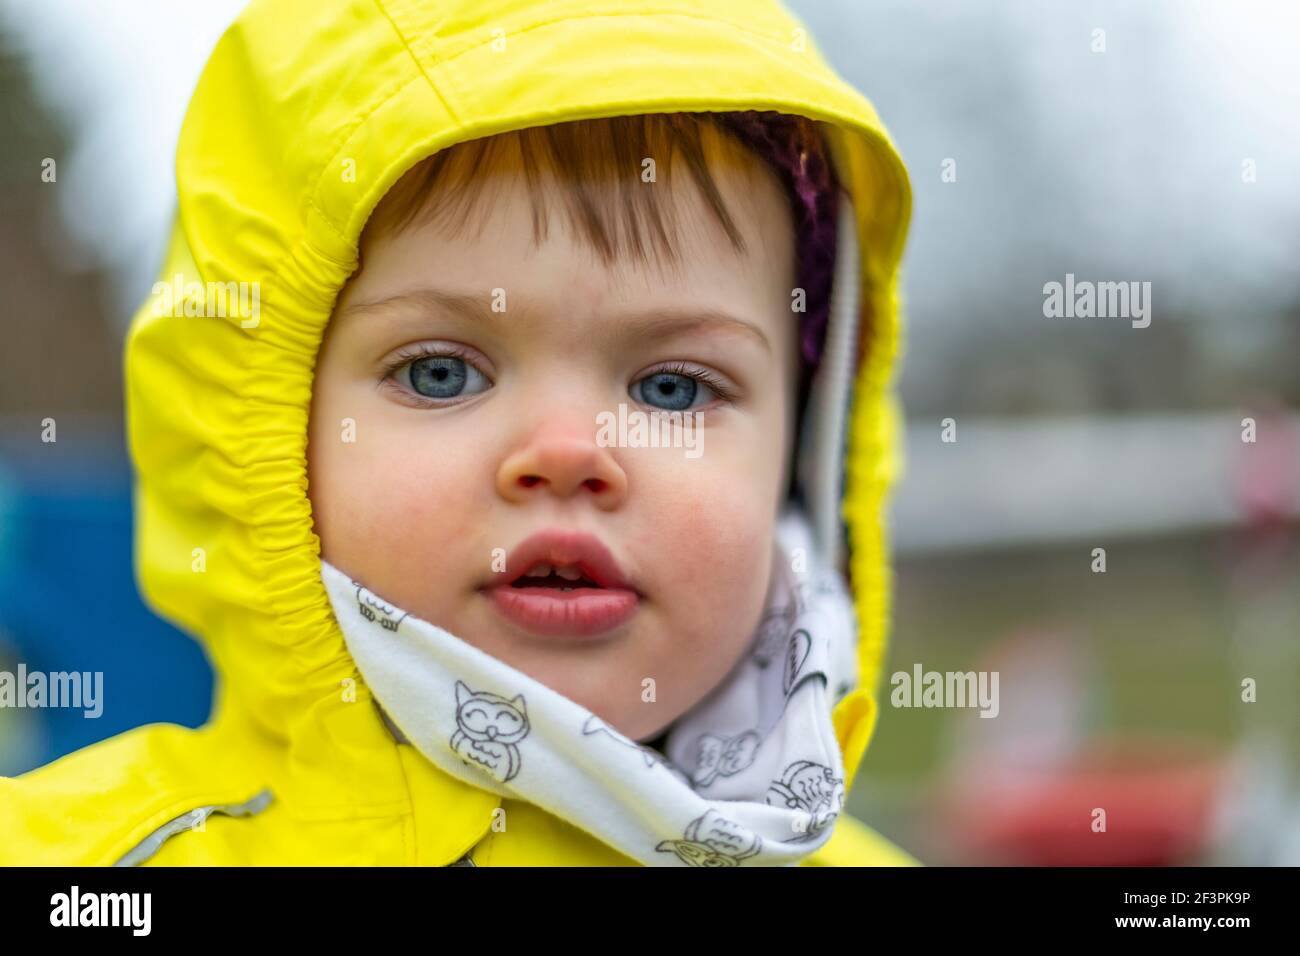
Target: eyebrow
674, 320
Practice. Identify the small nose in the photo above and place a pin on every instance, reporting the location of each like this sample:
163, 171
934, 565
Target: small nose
564, 462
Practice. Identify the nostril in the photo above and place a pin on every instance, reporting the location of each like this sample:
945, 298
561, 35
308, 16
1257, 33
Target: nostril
596, 485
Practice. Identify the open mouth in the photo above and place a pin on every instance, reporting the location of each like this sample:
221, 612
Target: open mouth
563, 578
564, 584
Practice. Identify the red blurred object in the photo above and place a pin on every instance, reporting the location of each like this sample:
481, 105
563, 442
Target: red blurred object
1267, 480
1158, 794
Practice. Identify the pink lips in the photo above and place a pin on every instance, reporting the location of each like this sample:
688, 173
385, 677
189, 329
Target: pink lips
582, 611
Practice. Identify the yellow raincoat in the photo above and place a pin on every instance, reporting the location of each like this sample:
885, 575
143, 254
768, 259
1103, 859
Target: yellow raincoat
307, 112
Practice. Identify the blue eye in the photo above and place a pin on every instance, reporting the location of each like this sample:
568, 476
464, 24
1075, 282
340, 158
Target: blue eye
670, 391
445, 376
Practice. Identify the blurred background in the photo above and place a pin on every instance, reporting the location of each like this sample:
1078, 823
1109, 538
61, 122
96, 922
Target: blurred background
1164, 149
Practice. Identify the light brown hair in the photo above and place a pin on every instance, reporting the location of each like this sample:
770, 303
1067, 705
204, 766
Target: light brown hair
596, 165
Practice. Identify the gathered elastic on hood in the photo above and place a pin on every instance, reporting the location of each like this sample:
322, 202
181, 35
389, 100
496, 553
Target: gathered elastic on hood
293, 135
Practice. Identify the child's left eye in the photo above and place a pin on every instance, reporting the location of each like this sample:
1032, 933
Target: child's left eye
678, 388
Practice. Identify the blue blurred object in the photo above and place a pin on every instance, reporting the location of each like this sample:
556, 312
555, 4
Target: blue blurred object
68, 599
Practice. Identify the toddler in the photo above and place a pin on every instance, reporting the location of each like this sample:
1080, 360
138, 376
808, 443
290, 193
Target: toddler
454, 617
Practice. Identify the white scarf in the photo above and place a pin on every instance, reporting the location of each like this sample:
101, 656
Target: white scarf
752, 775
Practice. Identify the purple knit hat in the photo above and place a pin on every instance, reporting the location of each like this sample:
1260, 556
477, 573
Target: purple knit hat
797, 154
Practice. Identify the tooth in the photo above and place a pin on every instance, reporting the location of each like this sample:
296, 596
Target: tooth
539, 570
569, 573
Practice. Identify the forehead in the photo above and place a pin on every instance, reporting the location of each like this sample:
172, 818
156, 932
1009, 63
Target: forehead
528, 231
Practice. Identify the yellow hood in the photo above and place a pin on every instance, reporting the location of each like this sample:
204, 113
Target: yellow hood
306, 114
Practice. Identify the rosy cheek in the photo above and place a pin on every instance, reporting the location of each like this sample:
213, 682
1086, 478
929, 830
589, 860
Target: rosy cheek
711, 545
428, 489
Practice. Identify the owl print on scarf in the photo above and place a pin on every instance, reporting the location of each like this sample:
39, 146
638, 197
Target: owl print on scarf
712, 756
712, 840
796, 655
813, 789
375, 608
489, 728
594, 725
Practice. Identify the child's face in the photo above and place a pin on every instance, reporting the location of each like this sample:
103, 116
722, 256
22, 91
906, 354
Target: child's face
453, 462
